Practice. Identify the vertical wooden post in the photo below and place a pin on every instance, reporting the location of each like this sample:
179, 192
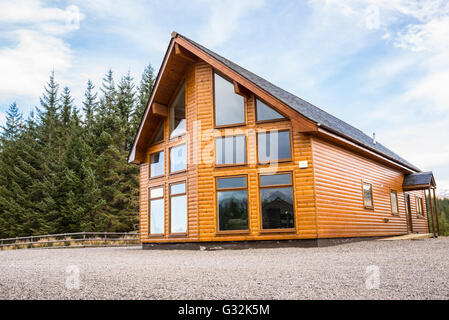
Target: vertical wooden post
436, 211
84, 239
431, 212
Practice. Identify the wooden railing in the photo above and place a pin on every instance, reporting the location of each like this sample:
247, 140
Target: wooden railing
71, 240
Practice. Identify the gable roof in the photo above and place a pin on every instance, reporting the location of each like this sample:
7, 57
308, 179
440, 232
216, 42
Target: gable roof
316, 115
308, 110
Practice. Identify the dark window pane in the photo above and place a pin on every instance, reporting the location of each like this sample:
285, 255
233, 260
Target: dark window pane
367, 195
229, 106
159, 134
178, 158
276, 179
230, 150
232, 210
157, 164
265, 112
178, 114
277, 208
230, 183
273, 146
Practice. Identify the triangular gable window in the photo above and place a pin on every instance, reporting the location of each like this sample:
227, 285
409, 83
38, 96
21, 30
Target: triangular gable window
266, 113
159, 134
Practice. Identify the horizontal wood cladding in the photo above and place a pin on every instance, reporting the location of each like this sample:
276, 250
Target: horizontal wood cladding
339, 174
202, 172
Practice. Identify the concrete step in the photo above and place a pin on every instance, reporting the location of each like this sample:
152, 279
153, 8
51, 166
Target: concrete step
411, 236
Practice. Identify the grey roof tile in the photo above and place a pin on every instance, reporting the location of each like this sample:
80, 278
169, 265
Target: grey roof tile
417, 179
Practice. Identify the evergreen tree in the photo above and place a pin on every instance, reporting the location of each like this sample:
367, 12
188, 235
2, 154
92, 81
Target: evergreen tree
90, 105
125, 106
145, 89
13, 123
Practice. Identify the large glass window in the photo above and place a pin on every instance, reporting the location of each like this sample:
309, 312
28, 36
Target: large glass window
157, 164
273, 146
276, 196
157, 211
266, 113
229, 106
178, 208
178, 158
232, 200
368, 195
178, 113
230, 150
394, 202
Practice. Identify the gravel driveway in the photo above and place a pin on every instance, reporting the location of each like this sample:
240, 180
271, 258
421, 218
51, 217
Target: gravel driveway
417, 269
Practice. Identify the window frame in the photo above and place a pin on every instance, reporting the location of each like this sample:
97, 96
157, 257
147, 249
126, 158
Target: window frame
149, 165
278, 160
372, 196
170, 196
155, 235
397, 202
245, 102
217, 213
419, 213
230, 164
269, 105
292, 185
169, 159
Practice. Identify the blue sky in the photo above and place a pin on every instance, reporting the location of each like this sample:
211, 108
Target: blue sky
382, 66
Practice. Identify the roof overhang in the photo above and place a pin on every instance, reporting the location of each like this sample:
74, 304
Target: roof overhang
348, 143
419, 181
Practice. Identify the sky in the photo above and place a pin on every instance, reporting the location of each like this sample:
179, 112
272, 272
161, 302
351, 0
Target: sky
382, 66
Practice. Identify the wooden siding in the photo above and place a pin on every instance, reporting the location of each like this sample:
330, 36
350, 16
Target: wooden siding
327, 194
339, 174
201, 173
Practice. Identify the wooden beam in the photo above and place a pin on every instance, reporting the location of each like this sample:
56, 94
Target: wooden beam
241, 90
431, 211
183, 53
436, 211
160, 109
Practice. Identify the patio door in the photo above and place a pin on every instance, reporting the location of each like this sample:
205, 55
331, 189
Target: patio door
408, 210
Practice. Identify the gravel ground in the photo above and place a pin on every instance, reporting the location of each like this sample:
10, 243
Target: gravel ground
417, 269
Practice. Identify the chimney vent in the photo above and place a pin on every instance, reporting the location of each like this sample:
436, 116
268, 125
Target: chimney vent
374, 138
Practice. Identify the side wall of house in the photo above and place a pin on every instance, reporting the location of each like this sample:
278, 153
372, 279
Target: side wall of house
339, 174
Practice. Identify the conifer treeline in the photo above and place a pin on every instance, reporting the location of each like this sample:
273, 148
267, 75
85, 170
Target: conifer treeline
64, 169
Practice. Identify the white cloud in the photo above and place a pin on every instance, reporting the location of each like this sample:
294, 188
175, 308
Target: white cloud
224, 19
28, 64
33, 45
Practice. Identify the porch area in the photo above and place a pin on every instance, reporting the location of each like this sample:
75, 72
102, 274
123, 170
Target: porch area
423, 181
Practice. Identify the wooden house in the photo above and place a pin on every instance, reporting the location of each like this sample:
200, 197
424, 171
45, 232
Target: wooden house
225, 155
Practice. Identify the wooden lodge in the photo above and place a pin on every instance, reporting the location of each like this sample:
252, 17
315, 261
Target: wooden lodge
225, 155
